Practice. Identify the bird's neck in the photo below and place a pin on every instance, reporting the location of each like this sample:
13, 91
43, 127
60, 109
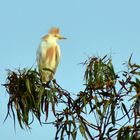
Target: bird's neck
51, 40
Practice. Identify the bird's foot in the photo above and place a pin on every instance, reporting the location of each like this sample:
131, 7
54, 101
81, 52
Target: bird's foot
46, 85
54, 80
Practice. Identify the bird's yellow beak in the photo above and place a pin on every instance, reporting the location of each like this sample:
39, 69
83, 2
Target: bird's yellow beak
61, 37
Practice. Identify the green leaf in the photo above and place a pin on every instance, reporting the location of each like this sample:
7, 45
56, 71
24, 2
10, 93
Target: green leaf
124, 107
19, 118
95, 70
129, 61
134, 97
113, 114
85, 102
111, 129
138, 82
82, 130
104, 57
74, 133
40, 95
25, 115
53, 107
69, 131
98, 104
113, 75
28, 85
107, 103
62, 133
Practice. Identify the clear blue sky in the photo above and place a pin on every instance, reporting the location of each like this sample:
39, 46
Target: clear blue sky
93, 27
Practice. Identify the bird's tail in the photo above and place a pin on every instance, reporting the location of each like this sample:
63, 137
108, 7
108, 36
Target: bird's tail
46, 76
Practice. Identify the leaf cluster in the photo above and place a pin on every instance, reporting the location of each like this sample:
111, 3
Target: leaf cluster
108, 107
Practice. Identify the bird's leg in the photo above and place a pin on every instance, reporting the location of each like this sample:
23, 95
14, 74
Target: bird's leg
47, 84
54, 80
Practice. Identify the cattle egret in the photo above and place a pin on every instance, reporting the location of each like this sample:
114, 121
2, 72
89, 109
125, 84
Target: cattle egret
48, 55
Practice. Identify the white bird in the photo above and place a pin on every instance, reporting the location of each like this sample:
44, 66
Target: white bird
48, 55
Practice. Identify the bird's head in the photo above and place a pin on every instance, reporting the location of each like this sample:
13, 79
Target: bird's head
55, 32
54, 35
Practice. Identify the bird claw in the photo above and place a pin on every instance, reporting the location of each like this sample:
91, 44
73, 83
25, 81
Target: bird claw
54, 80
46, 85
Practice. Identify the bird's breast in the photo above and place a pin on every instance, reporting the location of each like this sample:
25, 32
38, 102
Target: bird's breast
52, 56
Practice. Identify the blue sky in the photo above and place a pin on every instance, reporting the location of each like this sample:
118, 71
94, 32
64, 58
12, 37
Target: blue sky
93, 27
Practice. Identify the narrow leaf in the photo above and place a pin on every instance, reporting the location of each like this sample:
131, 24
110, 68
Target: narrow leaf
124, 107
82, 130
46, 109
113, 114
28, 85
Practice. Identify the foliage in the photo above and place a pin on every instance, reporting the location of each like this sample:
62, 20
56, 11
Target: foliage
108, 107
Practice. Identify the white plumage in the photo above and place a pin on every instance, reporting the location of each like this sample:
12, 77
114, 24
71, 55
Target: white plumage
48, 55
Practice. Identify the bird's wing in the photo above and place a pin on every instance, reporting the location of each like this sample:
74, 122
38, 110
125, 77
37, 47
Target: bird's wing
58, 54
41, 51
48, 56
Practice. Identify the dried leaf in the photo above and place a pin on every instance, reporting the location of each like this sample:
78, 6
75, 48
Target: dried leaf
46, 109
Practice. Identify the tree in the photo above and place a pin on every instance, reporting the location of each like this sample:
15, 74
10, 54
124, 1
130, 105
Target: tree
108, 107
